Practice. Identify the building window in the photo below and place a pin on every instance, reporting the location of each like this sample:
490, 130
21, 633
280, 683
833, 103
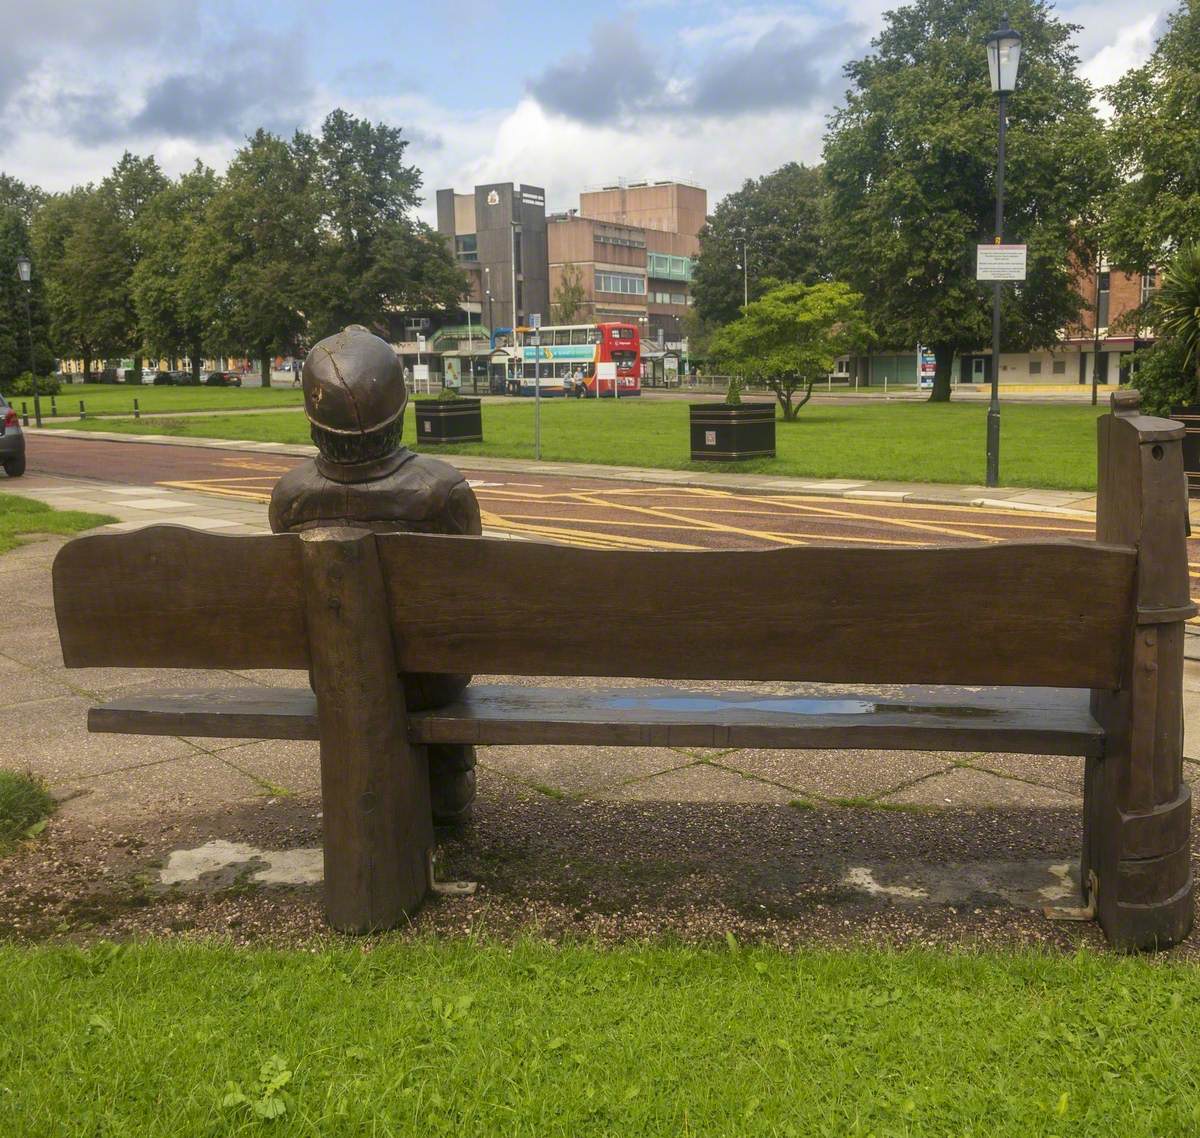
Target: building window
1149, 284
1059, 367
678, 298
516, 250
1102, 300
669, 268
465, 247
625, 283
1035, 367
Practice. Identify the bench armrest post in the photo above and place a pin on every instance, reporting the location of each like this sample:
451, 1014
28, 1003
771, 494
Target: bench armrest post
1137, 809
374, 786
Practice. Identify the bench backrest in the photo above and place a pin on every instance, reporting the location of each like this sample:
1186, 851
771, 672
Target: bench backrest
1053, 613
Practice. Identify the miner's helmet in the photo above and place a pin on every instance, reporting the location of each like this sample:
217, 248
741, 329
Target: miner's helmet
353, 383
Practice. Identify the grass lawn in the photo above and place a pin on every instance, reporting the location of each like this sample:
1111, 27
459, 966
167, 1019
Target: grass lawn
21, 516
109, 399
458, 1038
1041, 445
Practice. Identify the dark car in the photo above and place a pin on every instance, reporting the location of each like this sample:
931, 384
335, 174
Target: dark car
165, 379
12, 441
223, 379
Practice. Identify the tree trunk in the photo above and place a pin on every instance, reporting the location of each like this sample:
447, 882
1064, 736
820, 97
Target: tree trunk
197, 361
87, 364
264, 355
943, 355
807, 397
137, 371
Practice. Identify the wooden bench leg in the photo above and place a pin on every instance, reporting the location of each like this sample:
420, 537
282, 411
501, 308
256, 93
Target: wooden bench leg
378, 832
1137, 809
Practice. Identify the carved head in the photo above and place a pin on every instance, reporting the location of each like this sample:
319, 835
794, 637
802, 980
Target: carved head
354, 396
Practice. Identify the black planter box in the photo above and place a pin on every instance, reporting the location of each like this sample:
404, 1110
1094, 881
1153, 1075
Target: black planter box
1189, 416
725, 433
457, 421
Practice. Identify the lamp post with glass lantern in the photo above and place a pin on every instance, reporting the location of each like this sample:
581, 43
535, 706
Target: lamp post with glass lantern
1004, 57
25, 272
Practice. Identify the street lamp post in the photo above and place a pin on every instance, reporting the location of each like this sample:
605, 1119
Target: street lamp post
745, 267
25, 272
1004, 57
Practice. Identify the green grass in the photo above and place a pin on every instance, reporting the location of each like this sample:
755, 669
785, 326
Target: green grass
109, 399
1041, 445
467, 1039
24, 806
20, 517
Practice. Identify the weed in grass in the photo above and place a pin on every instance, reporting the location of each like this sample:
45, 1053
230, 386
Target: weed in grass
25, 807
264, 1098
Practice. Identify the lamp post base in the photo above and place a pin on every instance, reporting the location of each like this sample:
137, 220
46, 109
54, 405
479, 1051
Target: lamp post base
993, 446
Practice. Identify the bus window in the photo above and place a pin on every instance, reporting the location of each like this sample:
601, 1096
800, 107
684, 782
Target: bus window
593, 335
579, 336
562, 336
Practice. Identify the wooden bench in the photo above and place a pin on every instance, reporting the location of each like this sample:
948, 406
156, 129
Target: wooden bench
1066, 647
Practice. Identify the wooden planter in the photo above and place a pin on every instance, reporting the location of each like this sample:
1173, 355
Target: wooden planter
1189, 416
458, 421
725, 433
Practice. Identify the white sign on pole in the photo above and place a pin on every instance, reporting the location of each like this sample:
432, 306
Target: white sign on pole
420, 343
1000, 262
421, 373
535, 320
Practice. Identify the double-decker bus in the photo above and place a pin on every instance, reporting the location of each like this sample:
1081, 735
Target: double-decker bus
600, 357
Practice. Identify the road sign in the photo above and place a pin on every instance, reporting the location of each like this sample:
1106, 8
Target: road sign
533, 340
535, 320
1000, 262
420, 342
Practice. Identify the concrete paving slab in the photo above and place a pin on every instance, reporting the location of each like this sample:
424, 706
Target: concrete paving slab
967, 788
699, 783
50, 738
579, 770
275, 765
1060, 772
838, 774
180, 786
21, 685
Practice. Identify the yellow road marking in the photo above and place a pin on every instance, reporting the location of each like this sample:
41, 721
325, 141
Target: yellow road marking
224, 491
580, 536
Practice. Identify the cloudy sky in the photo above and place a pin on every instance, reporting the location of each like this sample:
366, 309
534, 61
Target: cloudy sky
559, 95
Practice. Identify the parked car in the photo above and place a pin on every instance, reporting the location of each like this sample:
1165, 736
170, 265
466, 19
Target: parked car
223, 379
12, 441
164, 379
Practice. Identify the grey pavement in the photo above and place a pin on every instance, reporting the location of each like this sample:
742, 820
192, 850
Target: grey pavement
115, 783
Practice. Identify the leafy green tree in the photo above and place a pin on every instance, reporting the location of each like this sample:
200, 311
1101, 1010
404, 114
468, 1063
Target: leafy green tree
82, 247
24, 199
569, 297
774, 221
1155, 136
171, 304
14, 329
792, 337
373, 256
1177, 311
910, 164
254, 257
130, 187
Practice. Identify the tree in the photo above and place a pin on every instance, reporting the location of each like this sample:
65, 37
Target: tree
171, 303
130, 187
792, 337
779, 216
14, 329
82, 247
26, 200
1155, 136
569, 297
1177, 310
253, 258
373, 257
910, 164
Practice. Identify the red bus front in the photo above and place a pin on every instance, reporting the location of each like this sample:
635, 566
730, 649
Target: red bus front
620, 344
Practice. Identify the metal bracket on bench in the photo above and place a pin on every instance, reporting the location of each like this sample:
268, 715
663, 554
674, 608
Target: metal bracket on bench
446, 888
1083, 913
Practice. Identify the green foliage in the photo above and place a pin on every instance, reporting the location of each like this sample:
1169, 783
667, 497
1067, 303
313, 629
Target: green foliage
1155, 136
14, 323
1161, 374
779, 215
265, 1098
23, 385
25, 804
374, 257
569, 297
910, 164
1177, 306
448, 395
733, 392
792, 337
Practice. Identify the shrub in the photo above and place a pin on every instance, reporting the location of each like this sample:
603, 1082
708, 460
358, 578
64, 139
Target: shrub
733, 393
23, 385
1160, 373
448, 395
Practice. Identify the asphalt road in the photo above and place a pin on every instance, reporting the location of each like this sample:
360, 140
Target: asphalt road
586, 511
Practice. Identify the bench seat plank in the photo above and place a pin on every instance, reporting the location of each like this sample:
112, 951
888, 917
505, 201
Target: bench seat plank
1040, 721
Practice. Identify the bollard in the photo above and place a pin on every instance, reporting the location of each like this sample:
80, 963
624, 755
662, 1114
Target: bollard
53, 407
82, 412
24, 414
136, 412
